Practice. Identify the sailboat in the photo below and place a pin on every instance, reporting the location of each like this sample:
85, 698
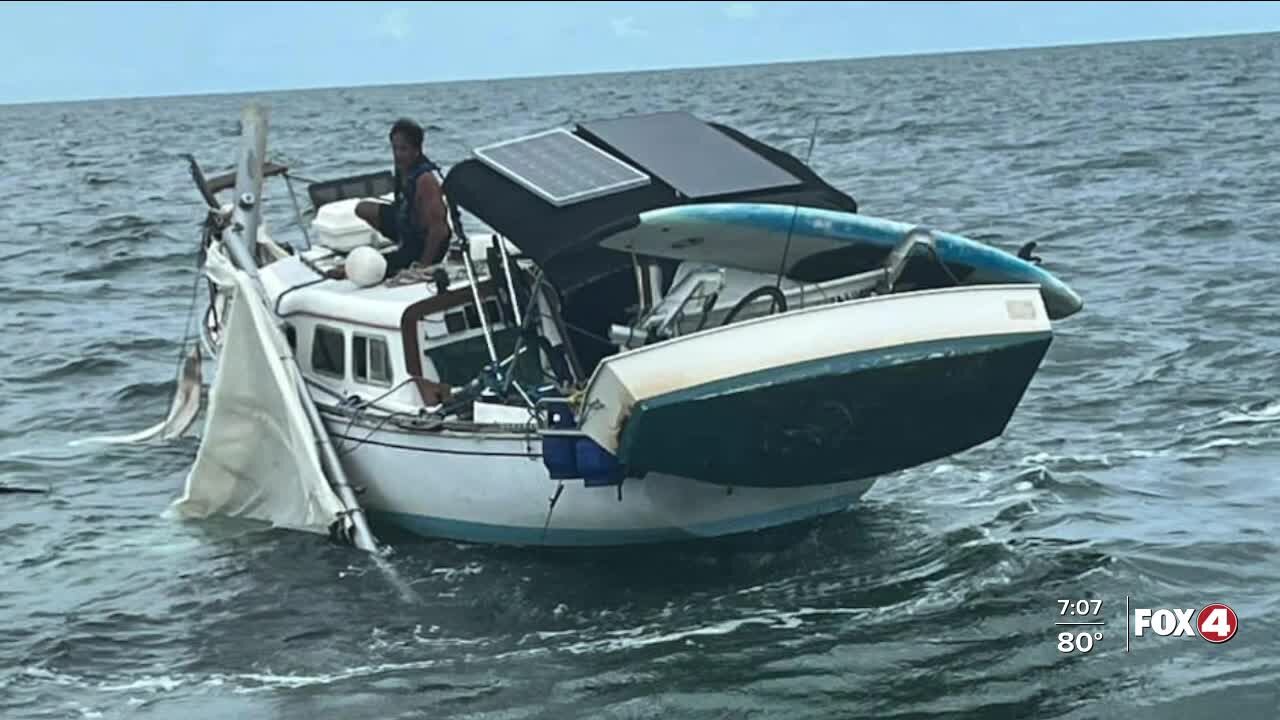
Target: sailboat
648, 328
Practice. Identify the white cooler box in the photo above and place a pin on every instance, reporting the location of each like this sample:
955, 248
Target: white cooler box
337, 227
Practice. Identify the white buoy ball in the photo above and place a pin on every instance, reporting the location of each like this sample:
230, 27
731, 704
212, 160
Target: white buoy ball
366, 266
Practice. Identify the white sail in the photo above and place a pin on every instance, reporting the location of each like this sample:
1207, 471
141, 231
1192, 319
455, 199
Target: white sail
257, 458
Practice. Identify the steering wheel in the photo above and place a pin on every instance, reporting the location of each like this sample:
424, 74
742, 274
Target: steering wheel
779, 301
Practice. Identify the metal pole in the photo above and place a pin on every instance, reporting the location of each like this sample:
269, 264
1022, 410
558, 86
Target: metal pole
297, 213
464, 244
246, 211
337, 476
242, 235
642, 298
511, 284
475, 295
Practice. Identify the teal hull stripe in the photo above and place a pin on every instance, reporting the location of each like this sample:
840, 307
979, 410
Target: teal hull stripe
837, 365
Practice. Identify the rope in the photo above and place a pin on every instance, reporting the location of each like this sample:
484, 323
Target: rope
934, 252
186, 327
782, 266
306, 180
588, 334
786, 250
360, 410
415, 273
390, 415
280, 297
343, 452
550, 509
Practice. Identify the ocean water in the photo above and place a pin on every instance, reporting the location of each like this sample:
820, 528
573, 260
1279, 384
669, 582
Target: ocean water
1144, 461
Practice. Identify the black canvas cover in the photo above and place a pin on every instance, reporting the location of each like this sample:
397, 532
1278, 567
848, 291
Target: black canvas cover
561, 239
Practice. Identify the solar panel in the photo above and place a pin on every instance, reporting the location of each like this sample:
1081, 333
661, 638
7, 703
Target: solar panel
560, 167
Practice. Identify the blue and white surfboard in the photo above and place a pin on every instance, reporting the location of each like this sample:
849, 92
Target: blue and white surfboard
754, 236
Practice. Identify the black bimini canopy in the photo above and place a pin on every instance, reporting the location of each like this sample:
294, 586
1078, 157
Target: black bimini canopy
554, 193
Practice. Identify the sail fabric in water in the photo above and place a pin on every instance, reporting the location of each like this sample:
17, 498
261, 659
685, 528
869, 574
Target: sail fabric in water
258, 456
183, 410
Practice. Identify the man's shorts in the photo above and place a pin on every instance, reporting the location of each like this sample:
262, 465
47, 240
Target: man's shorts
388, 221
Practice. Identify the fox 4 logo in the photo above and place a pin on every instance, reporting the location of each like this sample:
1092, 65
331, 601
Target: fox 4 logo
1215, 623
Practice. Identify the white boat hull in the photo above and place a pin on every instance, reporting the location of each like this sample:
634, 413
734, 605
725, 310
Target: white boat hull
494, 489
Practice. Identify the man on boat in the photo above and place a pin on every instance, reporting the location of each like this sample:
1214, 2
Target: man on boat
417, 219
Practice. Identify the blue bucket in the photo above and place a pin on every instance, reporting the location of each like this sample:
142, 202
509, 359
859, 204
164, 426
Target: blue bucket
559, 454
596, 465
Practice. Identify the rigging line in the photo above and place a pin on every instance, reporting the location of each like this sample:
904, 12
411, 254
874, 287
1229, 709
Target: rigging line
281, 296
795, 212
186, 327
359, 411
786, 249
365, 439
588, 334
296, 176
550, 509
813, 138
320, 386
374, 402
938, 259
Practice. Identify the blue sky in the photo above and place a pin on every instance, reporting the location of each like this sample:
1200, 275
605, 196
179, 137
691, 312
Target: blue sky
71, 51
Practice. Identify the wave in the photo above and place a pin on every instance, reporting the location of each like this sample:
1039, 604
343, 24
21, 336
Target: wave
146, 391
131, 345
1125, 160
73, 368
124, 262
1211, 228
129, 237
1041, 144
1257, 413
121, 223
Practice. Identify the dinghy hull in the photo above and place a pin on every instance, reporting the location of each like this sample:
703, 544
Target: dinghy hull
838, 419
826, 394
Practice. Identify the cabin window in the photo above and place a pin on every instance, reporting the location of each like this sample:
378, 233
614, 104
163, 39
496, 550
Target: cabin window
466, 318
457, 362
370, 362
327, 356
291, 334
455, 322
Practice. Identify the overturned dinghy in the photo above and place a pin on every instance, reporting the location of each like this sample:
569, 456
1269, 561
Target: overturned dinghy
671, 330
825, 394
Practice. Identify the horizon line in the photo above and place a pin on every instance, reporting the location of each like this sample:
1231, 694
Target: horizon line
669, 69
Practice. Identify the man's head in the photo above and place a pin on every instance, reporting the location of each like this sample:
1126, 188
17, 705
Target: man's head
406, 142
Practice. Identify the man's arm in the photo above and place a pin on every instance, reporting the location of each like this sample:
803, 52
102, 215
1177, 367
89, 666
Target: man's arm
433, 216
